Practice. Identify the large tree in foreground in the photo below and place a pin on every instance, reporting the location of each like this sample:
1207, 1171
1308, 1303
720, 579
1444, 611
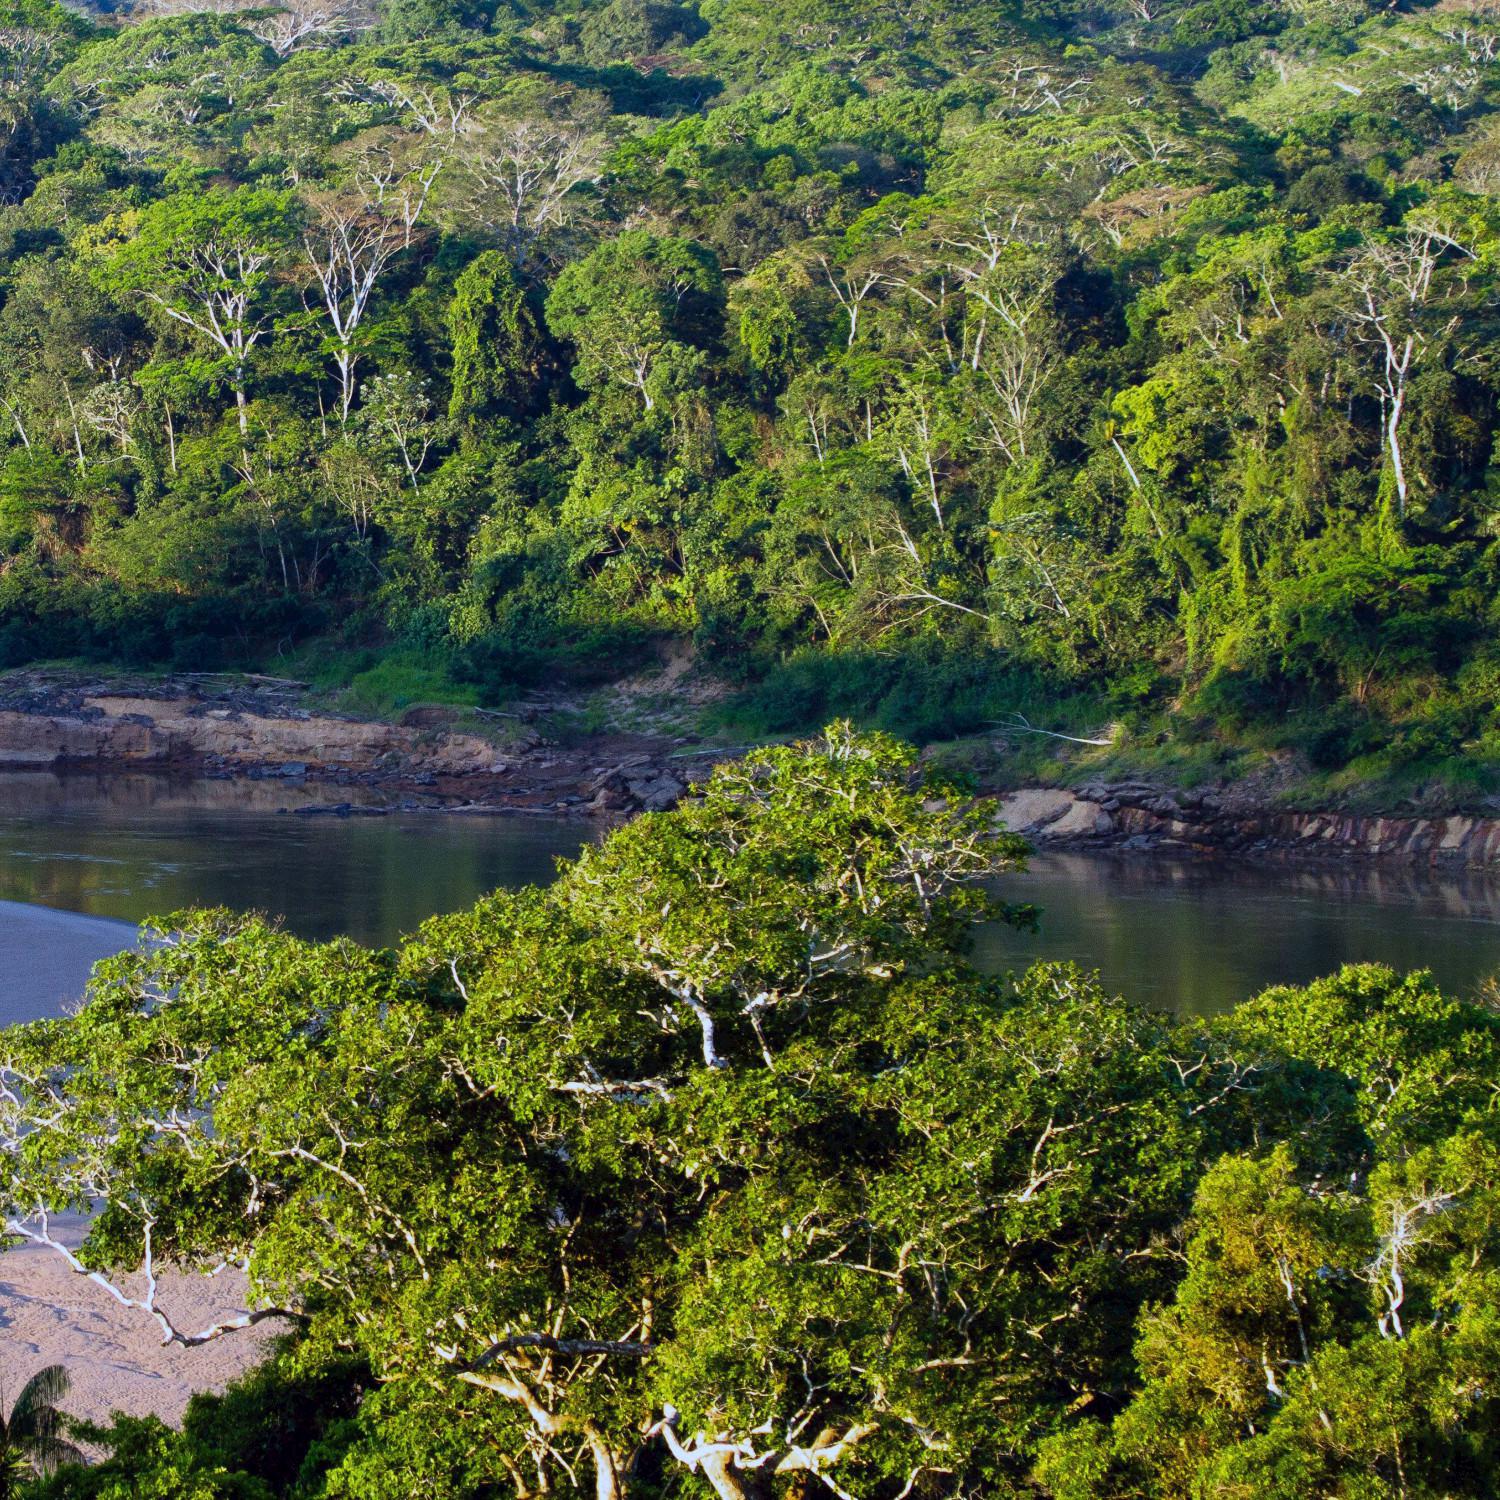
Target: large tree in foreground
716, 1169
672, 1167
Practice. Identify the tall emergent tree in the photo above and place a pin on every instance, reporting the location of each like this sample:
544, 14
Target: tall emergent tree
209, 262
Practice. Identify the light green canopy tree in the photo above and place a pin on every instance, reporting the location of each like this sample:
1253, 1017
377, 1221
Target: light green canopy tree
208, 261
714, 1160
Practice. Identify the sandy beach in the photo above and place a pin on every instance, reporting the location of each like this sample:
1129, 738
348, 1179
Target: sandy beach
46, 955
50, 1315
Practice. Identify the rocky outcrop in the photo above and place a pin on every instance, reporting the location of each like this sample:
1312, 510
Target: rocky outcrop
640, 785
263, 730
1142, 816
178, 728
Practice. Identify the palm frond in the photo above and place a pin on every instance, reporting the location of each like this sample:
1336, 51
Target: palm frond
49, 1453
35, 1418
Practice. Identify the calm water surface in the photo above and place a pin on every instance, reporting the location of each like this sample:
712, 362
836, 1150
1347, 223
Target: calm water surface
1197, 935
1185, 934
135, 846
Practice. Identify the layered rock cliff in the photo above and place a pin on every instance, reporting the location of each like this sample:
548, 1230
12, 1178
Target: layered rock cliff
1139, 815
178, 725
264, 728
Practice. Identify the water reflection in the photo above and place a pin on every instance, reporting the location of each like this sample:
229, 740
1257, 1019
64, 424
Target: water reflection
140, 845
1197, 935
1191, 935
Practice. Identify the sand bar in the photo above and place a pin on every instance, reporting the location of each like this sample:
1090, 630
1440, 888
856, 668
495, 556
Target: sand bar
49, 1315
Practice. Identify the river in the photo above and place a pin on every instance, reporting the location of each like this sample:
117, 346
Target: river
1185, 934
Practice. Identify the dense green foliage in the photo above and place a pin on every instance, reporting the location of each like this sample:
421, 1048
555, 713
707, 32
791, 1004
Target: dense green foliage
716, 1169
1142, 348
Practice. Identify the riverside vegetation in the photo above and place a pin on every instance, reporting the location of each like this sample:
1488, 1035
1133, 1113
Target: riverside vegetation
715, 1169
930, 362
925, 362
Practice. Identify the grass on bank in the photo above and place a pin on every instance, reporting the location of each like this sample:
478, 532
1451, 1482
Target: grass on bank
380, 683
1007, 725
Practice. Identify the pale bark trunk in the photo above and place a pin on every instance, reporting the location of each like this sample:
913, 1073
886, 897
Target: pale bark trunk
346, 362
731, 1482
1393, 440
607, 1483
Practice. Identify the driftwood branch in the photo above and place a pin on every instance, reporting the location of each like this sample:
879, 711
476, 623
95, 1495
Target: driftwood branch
1020, 724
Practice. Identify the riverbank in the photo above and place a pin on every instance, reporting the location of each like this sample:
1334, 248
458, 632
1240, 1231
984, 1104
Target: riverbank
1224, 821
277, 730
534, 758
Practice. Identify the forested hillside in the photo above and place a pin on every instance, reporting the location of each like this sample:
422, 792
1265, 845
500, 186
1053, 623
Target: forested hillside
894, 354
